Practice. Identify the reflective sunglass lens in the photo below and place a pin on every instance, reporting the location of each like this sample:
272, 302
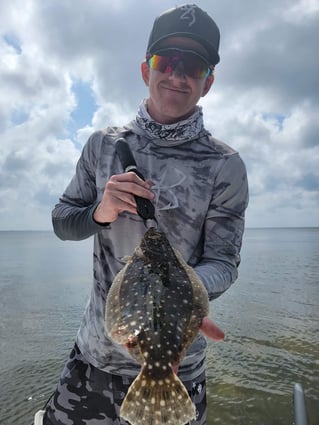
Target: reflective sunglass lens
194, 67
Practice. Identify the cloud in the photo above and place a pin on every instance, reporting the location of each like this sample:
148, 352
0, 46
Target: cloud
66, 71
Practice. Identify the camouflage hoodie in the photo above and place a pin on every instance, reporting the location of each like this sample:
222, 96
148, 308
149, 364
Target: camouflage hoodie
201, 196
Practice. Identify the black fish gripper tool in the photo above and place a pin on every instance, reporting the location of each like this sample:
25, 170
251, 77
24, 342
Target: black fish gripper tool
144, 207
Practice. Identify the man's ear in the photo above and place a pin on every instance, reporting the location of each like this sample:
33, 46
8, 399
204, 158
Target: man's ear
145, 69
208, 83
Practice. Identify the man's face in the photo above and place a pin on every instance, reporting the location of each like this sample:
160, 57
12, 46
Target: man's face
173, 96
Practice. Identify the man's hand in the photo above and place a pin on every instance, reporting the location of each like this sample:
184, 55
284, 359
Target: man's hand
119, 194
212, 331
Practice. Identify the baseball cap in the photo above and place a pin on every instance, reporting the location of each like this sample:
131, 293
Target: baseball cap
189, 21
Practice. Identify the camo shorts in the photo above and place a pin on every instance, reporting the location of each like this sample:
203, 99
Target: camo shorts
86, 395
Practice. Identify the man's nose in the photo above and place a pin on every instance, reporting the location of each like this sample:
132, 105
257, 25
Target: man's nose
178, 70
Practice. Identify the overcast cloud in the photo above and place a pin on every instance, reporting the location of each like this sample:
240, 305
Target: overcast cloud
67, 68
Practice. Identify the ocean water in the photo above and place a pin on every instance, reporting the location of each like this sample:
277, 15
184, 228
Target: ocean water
270, 317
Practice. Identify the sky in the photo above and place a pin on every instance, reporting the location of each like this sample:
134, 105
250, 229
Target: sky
68, 68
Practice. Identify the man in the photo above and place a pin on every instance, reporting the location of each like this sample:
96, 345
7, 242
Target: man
198, 186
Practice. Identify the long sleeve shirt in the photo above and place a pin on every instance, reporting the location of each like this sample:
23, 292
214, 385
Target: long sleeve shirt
201, 195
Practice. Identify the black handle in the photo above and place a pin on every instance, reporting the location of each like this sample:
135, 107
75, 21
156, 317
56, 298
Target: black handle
144, 207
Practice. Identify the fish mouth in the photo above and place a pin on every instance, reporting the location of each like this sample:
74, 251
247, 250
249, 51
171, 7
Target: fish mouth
153, 233
154, 242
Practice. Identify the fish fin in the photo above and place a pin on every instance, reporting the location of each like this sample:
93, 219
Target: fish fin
157, 402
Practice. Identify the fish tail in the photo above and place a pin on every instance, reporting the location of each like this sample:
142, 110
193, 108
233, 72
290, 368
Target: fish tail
157, 401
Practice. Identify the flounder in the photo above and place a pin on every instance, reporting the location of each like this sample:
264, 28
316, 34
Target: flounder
155, 307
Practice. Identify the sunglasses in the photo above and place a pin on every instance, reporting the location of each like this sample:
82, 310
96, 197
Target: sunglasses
166, 60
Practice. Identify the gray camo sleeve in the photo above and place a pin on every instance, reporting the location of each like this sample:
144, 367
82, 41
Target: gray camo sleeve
224, 228
72, 217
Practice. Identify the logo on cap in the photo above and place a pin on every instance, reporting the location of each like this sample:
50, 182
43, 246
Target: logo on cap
189, 13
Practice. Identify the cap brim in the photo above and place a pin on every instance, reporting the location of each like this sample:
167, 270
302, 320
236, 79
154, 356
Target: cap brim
182, 50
